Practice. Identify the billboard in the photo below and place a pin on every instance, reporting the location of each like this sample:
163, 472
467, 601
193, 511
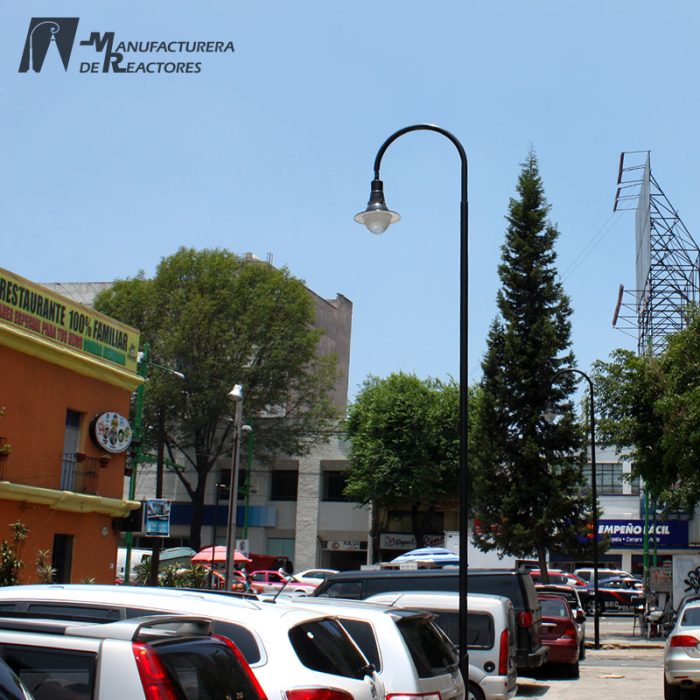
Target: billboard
642, 235
56, 319
670, 534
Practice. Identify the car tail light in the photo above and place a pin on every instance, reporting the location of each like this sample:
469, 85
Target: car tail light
154, 679
317, 694
244, 664
684, 640
503, 653
525, 618
413, 696
570, 631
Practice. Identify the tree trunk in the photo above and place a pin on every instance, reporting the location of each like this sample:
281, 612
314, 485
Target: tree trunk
418, 524
198, 514
542, 557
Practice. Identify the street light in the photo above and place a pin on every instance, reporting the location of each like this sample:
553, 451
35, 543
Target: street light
236, 395
377, 217
594, 498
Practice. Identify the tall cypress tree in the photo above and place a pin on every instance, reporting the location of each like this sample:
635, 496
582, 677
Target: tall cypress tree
527, 474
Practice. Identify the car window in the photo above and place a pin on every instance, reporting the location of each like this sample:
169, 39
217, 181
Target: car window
691, 617
432, 653
448, 622
344, 589
91, 613
480, 631
323, 645
255, 576
507, 586
553, 608
52, 673
363, 634
206, 670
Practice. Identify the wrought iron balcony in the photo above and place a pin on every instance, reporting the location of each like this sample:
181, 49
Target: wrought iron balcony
79, 473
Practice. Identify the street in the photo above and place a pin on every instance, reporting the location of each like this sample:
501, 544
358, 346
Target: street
628, 666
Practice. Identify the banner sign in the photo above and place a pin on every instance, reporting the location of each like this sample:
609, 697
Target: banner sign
401, 541
670, 534
111, 431
156, 521
57, 319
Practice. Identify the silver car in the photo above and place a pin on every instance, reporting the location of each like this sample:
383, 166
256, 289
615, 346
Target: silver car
682, 653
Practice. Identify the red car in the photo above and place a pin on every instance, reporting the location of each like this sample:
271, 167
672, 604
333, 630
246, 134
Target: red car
559, 632
273, 581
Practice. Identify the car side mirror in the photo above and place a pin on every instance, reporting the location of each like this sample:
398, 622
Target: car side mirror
580, 615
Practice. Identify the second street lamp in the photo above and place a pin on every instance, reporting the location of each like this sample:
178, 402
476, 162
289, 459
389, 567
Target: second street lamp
594, 499
377, 218
236, 395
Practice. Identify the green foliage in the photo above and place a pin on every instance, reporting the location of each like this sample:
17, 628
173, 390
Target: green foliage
527, 479
650, 410
10, 553
222, 320
44, 571
404, 444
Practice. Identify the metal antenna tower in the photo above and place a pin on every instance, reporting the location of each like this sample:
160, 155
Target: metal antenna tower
667, 259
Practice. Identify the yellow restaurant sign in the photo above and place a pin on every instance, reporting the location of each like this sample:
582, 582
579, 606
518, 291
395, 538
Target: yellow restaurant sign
56, 318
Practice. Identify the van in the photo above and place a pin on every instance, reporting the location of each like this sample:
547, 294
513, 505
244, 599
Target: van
514, 584
492, 635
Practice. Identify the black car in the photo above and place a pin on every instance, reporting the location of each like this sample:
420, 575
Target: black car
515, 584
615, 595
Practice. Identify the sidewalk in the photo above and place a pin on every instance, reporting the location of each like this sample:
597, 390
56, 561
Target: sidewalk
621, 633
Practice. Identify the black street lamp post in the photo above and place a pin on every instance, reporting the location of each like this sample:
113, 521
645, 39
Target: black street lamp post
377, 217
594, 498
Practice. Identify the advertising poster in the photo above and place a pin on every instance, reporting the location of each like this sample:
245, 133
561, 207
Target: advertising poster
156, 521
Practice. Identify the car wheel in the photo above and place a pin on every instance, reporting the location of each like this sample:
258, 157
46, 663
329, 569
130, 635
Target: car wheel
671, 692
475, 692
582, 651
590, 609
574, 671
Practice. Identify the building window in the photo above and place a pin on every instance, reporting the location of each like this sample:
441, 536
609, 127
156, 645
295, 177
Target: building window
609, 478
223, 485
283, 484
333, 485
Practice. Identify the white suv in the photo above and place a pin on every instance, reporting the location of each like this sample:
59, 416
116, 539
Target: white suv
169, 657
413, 656
492, 635
294, 653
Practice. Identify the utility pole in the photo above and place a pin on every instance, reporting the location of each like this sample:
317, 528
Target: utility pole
155, 556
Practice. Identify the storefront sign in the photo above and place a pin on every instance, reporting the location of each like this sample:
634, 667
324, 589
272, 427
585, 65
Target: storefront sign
407, 542
344, 545
55, 318
669, 534
111, 432
156, 521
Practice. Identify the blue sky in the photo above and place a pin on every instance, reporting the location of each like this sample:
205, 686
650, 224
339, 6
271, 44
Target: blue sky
270, 150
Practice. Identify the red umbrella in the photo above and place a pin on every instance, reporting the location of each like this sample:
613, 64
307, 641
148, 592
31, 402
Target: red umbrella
205, 555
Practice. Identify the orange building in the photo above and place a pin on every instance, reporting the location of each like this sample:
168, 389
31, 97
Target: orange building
66, 376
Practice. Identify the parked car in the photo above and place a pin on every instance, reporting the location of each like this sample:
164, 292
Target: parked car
159, 656
572, 597
314, 576
614, 596
682, 653
412, 655
586, 573
560, 633
492, 636
515, 584
273, 581
625, 582
314, 650
11, 687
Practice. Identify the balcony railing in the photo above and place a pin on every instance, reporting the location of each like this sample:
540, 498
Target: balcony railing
79, 473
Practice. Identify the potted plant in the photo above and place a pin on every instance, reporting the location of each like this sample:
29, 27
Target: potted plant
104, 460
5, 449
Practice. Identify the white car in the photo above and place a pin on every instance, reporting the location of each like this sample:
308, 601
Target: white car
294, 653
174, 656
682, 654
314, 576
492, 635
412, 655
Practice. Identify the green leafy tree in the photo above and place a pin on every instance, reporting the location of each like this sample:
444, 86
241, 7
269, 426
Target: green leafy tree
223, 320
404, 446
527, 478
10, 554
650, 411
